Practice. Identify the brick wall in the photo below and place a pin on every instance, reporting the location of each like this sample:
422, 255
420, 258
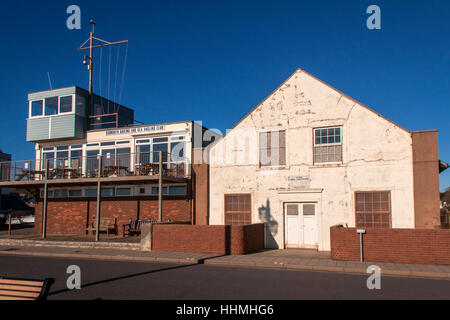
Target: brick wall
426, 179
62, 217
71, 217
217, 239
419, 246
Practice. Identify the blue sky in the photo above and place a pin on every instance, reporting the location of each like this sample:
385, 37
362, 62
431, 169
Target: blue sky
215, 60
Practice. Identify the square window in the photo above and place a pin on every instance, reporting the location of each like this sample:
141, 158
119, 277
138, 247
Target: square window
123, 192
65, 104
177, 190
371, 211
74, 193
36, 108
327, 145
90, 192
51, 106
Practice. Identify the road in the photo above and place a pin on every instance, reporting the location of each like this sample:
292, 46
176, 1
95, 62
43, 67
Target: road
136, 280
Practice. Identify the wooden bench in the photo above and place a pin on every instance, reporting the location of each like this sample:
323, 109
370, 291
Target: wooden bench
135, 226
24, 289
106, 224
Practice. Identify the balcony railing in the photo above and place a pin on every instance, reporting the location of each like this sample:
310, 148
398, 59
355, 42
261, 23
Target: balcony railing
106, 165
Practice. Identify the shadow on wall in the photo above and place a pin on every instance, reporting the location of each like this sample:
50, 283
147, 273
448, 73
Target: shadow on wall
271, 225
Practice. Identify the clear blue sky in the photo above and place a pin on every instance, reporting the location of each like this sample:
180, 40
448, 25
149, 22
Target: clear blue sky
215, 60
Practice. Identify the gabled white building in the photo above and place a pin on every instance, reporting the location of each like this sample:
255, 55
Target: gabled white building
309, 157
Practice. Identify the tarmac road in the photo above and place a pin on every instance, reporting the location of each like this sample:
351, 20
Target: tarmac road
142, 280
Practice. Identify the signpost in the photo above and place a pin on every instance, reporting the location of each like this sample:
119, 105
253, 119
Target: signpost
361, 232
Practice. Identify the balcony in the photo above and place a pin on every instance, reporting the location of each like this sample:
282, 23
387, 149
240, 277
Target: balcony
120, 167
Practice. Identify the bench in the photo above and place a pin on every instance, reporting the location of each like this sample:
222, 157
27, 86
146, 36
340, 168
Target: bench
135, 226
24, 289
106, 224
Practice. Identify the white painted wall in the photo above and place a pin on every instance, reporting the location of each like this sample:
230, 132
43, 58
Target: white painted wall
377, 155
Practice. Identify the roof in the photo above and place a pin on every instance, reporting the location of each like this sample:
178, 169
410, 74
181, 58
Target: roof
329, 86
442, 166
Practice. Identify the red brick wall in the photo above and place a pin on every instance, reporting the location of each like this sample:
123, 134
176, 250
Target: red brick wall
70, 217
217, 239
62, 217
419, 246
426, 179
175, 210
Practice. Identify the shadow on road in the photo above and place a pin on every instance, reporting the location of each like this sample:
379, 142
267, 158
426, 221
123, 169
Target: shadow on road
123, 277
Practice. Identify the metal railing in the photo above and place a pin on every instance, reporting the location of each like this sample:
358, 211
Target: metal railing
101, 121
106, 165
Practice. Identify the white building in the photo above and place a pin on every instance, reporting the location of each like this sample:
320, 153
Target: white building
309, 157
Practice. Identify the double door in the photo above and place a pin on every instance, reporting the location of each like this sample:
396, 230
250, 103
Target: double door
300, 225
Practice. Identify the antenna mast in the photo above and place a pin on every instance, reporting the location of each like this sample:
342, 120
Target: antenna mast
103, 43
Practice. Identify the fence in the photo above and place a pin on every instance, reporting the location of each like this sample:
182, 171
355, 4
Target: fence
108, 164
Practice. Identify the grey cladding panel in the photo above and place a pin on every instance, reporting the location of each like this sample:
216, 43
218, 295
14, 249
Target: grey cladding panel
51, 93
37, 129
63, 126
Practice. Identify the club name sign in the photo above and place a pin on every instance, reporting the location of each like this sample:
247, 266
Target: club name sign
136, 130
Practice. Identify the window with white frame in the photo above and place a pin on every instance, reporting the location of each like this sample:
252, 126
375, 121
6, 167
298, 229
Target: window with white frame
63, 156
147, 149
116, 157
36, 108
328, 145
51, 106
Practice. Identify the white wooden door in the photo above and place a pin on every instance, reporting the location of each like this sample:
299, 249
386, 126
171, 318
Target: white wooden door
300, 225
292, 222
309, 224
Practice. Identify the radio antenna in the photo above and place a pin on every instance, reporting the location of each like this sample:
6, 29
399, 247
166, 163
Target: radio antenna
49, 81
90, 63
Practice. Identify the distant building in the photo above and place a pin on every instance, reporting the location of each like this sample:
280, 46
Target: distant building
4, 171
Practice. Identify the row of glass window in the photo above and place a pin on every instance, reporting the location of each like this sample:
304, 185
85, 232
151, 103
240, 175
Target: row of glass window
147, 151
176, 190
51, 106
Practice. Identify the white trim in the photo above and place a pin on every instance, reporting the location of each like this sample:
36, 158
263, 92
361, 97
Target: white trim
43, 115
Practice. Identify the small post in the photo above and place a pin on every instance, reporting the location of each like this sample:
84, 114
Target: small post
99, 199
361, 232
160, 186
44, 210
9, 223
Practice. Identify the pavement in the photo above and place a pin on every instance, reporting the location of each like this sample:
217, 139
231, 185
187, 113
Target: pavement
289, 259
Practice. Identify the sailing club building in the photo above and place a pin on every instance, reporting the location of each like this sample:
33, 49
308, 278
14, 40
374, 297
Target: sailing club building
89, 159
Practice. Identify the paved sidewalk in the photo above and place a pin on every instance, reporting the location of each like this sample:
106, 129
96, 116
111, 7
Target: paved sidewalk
292, 259
104, 254
319, 261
